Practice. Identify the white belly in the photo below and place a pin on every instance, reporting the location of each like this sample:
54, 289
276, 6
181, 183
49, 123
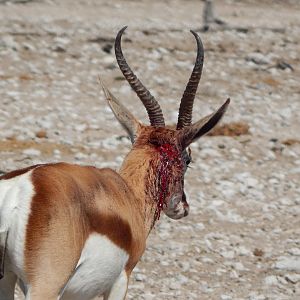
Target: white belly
101, 262
15, 202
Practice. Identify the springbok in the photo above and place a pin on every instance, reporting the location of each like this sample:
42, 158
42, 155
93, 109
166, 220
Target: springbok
75, 232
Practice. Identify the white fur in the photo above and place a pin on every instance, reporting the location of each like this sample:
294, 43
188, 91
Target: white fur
99, 268
119, 289
15, 202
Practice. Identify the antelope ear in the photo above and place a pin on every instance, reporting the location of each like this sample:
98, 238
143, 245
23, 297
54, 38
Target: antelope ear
191, 133
123, 115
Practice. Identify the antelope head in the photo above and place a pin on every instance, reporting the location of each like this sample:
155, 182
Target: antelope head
165, 149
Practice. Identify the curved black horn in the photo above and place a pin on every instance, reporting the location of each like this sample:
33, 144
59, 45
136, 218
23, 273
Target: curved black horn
187, 100
153, 109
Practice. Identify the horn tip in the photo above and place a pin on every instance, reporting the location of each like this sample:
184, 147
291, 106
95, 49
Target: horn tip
225, 105
194, 33
123, 29
118, 38
197, 37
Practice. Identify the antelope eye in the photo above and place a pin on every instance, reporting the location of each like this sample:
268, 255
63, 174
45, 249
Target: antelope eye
187, 157
188, 161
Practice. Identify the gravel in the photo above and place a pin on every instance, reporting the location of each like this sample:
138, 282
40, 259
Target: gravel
241, 239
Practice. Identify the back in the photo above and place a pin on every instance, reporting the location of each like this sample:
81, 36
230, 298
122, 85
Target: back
72, 202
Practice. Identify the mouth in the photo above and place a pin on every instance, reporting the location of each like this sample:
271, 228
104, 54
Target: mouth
178, 207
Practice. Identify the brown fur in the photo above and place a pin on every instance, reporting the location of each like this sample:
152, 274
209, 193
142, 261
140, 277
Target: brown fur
70, 203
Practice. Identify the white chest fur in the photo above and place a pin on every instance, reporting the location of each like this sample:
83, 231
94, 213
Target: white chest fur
101, 262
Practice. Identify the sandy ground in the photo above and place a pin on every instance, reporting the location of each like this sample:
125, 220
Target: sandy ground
241, 239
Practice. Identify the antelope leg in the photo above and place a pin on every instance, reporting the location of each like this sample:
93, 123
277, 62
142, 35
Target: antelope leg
3, 243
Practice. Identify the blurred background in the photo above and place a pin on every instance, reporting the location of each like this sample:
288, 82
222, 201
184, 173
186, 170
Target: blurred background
242, 237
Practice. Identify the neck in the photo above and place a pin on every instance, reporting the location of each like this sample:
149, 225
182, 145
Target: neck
138, 173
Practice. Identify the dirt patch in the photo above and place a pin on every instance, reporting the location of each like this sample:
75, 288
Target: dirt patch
44, 147
290, 142
231, 129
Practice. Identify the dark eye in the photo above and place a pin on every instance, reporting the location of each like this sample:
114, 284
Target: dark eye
188, 161
187, 157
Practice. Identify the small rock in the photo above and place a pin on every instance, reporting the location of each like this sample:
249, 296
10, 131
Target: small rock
41, 134
185, 265
9, 42
284, 65
80, 127
108, 60
293, 278
258, 58
225, 297
233, 274
289, 153
239, 266
271, 280
32, 152
182, 279
294, 251
107, 48
254, 296
140, 277
242, 251
227, 254
80, 156
59, 48
286, 263
174, 286
295, 170
251, 182
258, 252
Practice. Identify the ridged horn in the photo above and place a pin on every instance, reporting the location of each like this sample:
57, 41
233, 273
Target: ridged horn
153, 108
187, 100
